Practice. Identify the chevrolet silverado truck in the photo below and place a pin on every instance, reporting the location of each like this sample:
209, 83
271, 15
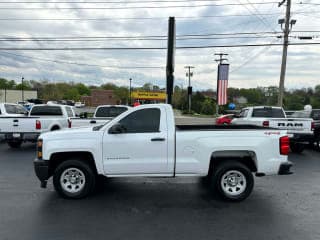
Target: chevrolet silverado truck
300, 130
42, 118
145, 142
102, 114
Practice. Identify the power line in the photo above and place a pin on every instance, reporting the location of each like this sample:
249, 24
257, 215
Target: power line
142, 39
83, 64
107, 2
132, 7
147, 18
143, 36
148, 48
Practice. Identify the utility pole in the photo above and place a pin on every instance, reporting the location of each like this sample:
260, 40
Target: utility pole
22, 93
130, 99
189, 75
170, 58
286, 30
219, 61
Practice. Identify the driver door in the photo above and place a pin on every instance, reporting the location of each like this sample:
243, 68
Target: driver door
141, 148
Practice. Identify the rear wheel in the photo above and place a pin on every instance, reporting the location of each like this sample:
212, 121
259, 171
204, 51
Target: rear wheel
297, 147
74, 179
15, 144
233, 181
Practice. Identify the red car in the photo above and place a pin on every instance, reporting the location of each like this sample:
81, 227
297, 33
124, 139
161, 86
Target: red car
225, 119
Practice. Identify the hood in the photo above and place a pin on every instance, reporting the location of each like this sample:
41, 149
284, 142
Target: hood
68, 133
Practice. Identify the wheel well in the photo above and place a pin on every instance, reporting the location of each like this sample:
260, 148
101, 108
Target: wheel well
246, 160
57, 158
55, 127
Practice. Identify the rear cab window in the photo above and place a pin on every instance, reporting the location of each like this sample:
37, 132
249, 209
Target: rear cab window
46, 111
268, 113
111, 111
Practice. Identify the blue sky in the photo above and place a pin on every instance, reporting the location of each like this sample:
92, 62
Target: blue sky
250, 67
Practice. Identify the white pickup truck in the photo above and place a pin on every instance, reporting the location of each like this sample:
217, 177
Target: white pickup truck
102, 115
300, 130
41, 118
145, 142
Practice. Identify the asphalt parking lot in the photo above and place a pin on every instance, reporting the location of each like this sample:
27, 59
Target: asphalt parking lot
281, 207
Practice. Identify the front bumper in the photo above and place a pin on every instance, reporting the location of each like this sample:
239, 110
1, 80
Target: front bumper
284, 168
41, 168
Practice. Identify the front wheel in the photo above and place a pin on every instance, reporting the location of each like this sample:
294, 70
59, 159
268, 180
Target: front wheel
74, 179
15, 144
233, 181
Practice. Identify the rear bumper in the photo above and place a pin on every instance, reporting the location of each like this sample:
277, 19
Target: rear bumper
301, 138
21, 136
284, 168
41, 168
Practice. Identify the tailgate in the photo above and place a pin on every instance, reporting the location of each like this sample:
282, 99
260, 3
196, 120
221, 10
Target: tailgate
17, 125
293, 125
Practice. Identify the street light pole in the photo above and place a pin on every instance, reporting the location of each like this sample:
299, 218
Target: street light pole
189, 74
22, 93
130, 100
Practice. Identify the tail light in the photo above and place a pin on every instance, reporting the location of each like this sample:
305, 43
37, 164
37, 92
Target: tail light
313, 126
38, 124
39, 148
69, 123
284, 145
265, 123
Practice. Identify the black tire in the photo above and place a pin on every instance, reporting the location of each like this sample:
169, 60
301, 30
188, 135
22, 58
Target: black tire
86, 173
55, 128
232, 167
297, 147
15, 144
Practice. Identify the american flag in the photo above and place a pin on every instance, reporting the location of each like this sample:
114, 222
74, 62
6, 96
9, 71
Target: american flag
223, 74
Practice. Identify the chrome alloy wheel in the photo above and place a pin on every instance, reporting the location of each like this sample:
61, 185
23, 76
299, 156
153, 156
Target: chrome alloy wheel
233, 183
72, 180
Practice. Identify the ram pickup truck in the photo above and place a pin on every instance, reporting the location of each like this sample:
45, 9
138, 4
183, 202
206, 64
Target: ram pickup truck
41, 118
145, 142
102, 114
300, 130
315, 115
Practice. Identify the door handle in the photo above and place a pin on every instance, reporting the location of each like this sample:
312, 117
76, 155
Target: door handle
157, 139
93, 121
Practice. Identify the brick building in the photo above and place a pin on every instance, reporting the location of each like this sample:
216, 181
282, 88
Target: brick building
100, 97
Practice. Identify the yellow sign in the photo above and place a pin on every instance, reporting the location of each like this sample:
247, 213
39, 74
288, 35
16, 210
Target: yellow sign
143, 95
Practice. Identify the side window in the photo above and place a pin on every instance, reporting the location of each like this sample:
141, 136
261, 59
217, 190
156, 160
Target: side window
69, 112
142, 121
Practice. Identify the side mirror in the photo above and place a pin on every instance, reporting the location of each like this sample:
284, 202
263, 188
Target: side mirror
83, 115
26, 113
118, 128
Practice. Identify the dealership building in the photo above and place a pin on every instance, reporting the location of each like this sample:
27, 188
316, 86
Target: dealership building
14, 96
